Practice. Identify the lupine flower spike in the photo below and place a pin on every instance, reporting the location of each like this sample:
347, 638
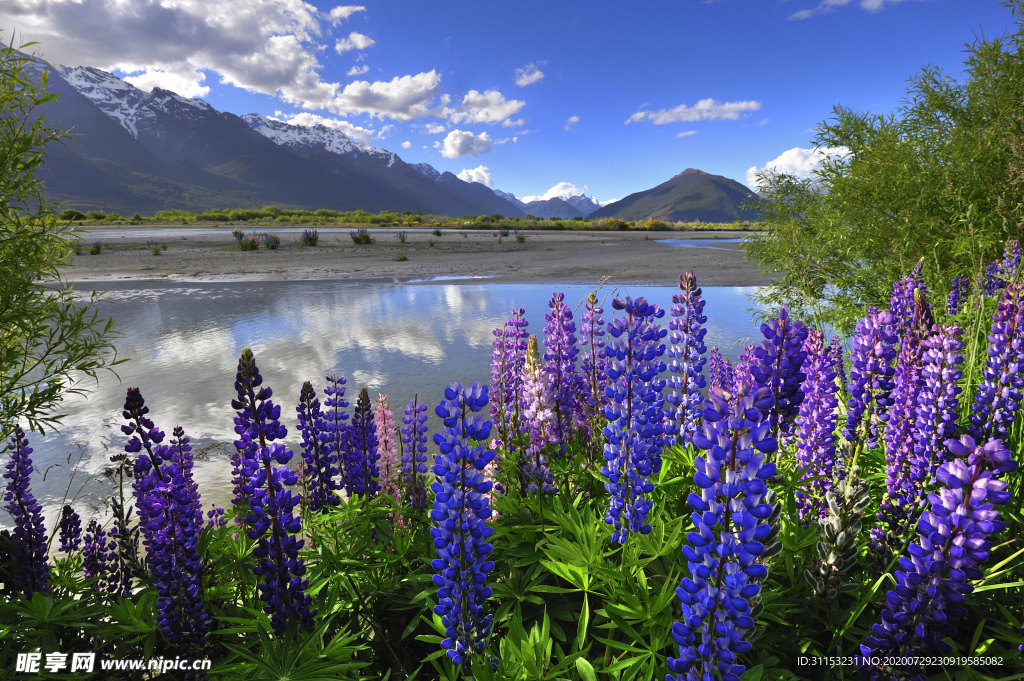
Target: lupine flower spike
31, 569
70, 530
634, 413
686, 352
594, 361
256, 424
874, 348
999, 393
414, 458
816, 423
387, 461
335, 429
777, 366
507, 359
719, 370
538, 415
320, 462
559, 365
361, 464
730, 518
460, 513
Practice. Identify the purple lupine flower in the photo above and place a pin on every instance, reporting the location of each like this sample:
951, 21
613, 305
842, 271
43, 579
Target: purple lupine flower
816, 423
215, 518
171, 519
31, 571
871, 357
999, 392
361, 463
509, 348
388, 460
594, 363
270, 521
559, 365
993, 282
686, 350
461, 513
335, 428
256, 423
730, 525
70, 530
98, 557
958, 295
903, 305
1010, 263
777, 364
719, 370
835, 346
320, 464
414, 459
952, 543
937, 402
632, 449
741, 370
124, 540
537, 418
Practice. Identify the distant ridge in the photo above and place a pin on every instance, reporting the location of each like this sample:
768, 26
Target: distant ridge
690, 196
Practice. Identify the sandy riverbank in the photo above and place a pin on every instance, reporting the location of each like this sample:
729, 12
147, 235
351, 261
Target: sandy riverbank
209, 254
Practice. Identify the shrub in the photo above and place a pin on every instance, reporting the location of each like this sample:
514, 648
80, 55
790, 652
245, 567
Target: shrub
272, 241
520, 238
95, 248
70, 214
656, 226
361, 237
96, 215
430, 242
237, 233
136, 217
401, 258
401, 237
249, 243
310, 237
436, 232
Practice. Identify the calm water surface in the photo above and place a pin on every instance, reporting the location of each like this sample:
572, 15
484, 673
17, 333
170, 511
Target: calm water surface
398, 339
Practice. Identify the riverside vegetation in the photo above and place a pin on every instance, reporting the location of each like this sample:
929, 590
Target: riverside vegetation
587, 514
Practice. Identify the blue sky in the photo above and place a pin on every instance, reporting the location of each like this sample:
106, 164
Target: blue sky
534, 98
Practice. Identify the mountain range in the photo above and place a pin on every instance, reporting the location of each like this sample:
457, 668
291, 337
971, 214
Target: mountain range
136, 151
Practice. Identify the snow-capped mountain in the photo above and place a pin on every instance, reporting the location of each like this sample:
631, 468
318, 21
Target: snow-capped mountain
317, 136
133, 108
583, 203
427, 170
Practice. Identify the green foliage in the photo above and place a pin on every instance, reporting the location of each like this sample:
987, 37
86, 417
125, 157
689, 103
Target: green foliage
941, 179
248, 243
69, 214
49, 337
436, 232
272, 241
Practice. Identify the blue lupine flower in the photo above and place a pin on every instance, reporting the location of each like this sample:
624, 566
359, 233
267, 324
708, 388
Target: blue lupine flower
835, 345
1010, 263
509, 352
686, 350
335, 428
70, 530
719, 370
937, 402
993, 282
461, 512
874, 348
171, 519
632, 449
741, 370
98, 556
730, 525
270, 521
361, 463
952, 543
999, 391
414, 458
777, 364
816, 423
256, 423
320, 463
31, 571
958, 295
905, 302
594, 363
560, 352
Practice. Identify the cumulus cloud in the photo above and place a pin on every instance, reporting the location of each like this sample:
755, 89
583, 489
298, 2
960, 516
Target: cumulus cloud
306, 119
571, 122
354, 41
460, 143
266, 46
357, 70
184, 85
528, 75
829, 5
562, 190
406, 144
686, 133
434, 128
704, 110
342, 12
513, 123
402, 98
486, 107
481, 174
799, 162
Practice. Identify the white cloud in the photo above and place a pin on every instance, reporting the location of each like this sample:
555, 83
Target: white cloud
357, 133
481, 174
386, 130
829, 5
528, 75
571, 122
799, 162
686, 133
342, 12
434, 128
406, 144
605, 203
513, 123
402, 98
266, 46
704, 110
486, 107
354, 41
459, 143
357, 70
562, 190
184, 85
